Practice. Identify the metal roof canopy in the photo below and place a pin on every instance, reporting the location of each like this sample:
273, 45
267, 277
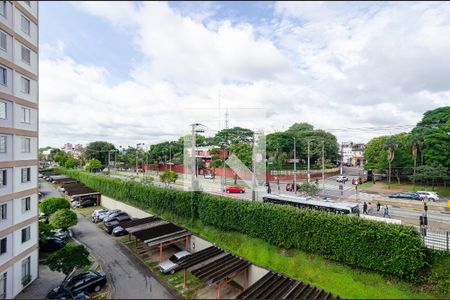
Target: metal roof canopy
200, 256
142, 227
157, 231
137, 222
80, 191
277, 286
168, 238
65, 180
221, 269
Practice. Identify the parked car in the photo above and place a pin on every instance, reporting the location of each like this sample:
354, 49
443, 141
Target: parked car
341, 179
109, 226
431, 196
97, 213
88, 202
209, 176
119, 231
234, 189
358, 180
115, 217
406, 195
52, 244
290, 187
170, 265
101, 217
61, 234
91, 281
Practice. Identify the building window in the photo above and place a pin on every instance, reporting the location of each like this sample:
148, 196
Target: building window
3, 41
26, 175
3, 178
3, 282
26, 204
25, 25
2, 110
3, 8
25, 85
4, 211
25, 115
26, 267
3, 76
3, 143
25, 146
26, 234
26, 55
3, 248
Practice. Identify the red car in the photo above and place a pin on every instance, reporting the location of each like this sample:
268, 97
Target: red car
234, 189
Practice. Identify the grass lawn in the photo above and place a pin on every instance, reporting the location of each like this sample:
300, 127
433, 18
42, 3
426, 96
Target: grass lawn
342, 280
87, 211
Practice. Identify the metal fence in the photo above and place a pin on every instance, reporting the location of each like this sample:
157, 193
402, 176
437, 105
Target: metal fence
438, 240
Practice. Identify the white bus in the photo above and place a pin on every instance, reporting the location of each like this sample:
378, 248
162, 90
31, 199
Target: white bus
317, 204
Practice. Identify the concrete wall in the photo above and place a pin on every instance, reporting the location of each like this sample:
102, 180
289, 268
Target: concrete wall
8, 54
32, 96
17, 288
9, 148
18, 117
19, 247
8, 122
254, 273
32, 67
198, 244
9, 249
7, 20
32, 8
9, 182
32, 38
132, 211
18, 154
9, 282
18, 185
9, 80
20, 216
4, 224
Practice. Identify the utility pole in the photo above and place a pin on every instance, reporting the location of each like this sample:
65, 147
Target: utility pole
295, 166
170, 155
323, 167
109, 162
195, 185
308, 175
342, 156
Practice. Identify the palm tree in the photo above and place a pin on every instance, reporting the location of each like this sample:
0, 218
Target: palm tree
390, 145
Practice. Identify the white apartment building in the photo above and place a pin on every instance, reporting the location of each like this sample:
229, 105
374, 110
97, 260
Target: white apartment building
353, 153
18, 146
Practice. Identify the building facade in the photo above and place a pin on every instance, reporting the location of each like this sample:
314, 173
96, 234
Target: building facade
353, 154
18, 146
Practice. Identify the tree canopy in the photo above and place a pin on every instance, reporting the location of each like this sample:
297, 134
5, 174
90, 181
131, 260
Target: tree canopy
99, 150
68, 258
51, 205
63, 218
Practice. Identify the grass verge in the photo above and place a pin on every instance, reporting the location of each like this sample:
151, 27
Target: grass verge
342, 280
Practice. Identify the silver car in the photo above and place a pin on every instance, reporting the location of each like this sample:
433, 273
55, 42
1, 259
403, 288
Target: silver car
170, 265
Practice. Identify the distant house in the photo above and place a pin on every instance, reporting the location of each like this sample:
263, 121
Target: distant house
353, 154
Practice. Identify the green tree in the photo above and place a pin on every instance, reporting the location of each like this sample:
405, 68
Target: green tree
243, 152
168, 177
51, 205
45, 231
432, 172
231, 136
99, 150
308, 188
63, 218
94, 165
68, 258
71, 163
61, 157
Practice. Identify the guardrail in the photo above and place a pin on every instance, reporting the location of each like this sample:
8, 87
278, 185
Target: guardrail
438, 240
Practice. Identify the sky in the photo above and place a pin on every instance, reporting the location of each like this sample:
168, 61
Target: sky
142, 72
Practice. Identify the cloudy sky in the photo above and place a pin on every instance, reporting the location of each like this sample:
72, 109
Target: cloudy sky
131, 72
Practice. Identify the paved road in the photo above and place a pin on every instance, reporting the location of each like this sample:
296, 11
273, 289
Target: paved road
130, 278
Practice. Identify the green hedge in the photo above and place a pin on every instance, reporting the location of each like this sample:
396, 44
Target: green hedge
387, 248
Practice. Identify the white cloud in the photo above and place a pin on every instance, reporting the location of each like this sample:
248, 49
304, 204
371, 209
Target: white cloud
334, 65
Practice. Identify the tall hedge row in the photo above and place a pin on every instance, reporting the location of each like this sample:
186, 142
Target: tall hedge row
387, 248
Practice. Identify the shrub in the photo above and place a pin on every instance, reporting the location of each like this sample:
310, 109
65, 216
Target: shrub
63, 218
51, 205
68, 258
387, 248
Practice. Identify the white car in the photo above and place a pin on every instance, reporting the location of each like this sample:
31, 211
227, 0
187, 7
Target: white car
170, 265
341, 179
209, 176
431, 196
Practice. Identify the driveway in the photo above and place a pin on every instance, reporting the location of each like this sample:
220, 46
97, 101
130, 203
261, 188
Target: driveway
129, 277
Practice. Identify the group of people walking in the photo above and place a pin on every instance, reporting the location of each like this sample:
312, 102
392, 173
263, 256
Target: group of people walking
368, 208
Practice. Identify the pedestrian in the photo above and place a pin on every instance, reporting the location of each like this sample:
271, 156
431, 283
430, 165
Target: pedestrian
386, 211
269, 190
365, 208
378, 206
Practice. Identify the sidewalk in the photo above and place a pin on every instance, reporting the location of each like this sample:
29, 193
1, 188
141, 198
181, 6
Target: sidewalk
46, 281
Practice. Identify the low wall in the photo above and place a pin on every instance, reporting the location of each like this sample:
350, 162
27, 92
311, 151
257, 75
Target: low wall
131, 210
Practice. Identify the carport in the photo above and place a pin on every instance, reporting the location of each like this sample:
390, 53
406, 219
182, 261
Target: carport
64, 180
277, 286
161, 234
140, 224
215, 266
81, 192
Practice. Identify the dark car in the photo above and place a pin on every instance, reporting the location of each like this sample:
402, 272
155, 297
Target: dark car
115, 217
88, 202
119, 231
76, 295
102, 216
91, 281
406, 195
52, 244
109, 226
